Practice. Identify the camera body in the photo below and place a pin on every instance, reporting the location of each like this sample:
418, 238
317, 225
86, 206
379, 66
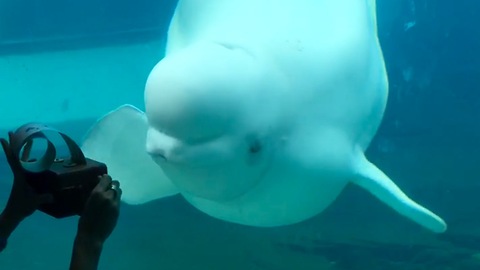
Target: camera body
70, 181
69, 184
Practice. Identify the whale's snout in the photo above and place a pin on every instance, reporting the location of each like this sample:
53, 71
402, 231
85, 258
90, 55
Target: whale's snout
159, 145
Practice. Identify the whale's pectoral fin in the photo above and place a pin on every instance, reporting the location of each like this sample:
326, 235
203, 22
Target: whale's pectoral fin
376, 182
118, 140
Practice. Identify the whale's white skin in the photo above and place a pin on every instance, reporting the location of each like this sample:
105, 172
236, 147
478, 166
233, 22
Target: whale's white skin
259, 113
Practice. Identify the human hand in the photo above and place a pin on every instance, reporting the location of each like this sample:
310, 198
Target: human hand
101, 211
23, 200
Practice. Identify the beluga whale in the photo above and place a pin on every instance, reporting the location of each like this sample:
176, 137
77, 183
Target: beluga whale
259, 113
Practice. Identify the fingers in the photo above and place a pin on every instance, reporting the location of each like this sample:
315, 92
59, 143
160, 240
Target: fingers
104, 183
110, 187
117, 190
114, 192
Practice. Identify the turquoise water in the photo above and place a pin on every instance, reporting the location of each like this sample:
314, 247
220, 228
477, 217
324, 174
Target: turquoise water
66, 73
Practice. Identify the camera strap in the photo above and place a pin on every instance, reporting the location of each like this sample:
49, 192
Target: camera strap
23, 138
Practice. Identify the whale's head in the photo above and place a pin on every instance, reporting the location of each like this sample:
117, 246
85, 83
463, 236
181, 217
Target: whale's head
207, 128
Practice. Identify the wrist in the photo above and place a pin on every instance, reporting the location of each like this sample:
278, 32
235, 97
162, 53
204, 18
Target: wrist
83, 240
86, 252
12, 213
8, 222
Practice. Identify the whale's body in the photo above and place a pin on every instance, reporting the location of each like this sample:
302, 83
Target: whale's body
259, 113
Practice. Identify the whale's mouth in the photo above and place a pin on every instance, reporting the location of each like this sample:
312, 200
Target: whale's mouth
159, 157
188, 164
213, 172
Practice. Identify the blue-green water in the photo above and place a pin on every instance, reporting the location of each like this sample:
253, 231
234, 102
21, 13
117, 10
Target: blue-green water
429, 142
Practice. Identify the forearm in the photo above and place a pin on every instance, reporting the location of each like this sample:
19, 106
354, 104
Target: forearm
8, 223
86, 253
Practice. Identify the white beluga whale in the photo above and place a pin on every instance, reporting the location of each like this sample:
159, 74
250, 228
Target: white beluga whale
259, 113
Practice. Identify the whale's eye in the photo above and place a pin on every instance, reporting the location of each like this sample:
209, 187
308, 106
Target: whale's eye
255, 146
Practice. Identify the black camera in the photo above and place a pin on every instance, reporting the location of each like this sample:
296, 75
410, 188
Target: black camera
70, 179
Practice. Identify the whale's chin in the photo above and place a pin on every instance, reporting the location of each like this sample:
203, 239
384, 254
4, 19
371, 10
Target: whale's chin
219, 182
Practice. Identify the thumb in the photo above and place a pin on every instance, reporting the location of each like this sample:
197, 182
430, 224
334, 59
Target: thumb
6, 149
12, 160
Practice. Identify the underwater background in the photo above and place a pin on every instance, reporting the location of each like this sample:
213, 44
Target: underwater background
66, 63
